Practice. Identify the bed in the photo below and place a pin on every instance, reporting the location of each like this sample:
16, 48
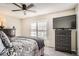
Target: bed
22, 46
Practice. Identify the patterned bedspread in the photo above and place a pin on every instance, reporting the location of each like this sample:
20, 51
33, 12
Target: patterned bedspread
39, 41
25, 47
19, 46
22, 47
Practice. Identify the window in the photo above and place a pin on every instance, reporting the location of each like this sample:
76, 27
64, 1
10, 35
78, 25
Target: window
39, 29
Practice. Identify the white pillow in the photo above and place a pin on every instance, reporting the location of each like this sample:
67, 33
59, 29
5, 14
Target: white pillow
5, 39
2, 47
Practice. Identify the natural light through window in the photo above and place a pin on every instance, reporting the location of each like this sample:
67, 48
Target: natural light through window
39, 29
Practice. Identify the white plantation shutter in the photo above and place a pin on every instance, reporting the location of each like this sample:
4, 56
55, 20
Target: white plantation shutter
39, 29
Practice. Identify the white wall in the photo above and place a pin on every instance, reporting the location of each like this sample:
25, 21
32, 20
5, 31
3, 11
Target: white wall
25, 27
12, 21
49, 18
77, 12
73, 40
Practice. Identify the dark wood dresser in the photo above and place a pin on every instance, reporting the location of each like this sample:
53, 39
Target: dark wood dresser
10, 32
63, 40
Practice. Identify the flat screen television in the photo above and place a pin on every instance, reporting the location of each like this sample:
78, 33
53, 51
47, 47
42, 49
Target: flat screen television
66, 22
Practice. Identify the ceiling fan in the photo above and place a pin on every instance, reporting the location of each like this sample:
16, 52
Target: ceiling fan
23, 7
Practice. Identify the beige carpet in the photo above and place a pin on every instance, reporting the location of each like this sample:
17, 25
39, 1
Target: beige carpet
48, 51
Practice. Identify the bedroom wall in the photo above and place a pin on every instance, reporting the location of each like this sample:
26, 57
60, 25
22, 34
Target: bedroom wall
49, 18
77, 12
12, 21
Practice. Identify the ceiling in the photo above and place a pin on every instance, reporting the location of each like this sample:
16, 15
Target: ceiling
40, 8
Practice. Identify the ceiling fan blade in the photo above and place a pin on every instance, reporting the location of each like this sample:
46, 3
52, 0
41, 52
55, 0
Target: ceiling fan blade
32, 11
29, 6
21, 3
16, 10
17, 5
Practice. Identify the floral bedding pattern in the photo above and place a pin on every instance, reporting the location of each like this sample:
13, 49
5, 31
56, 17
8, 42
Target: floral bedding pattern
22, 47
18, 46
25, 47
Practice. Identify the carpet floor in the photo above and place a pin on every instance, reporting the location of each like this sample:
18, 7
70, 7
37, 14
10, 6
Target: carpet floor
48, 51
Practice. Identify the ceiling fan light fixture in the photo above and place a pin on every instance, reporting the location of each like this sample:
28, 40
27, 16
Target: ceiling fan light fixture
24, 12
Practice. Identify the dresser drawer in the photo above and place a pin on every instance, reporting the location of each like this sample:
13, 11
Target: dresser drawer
63, 40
